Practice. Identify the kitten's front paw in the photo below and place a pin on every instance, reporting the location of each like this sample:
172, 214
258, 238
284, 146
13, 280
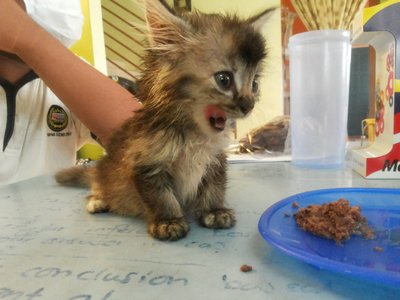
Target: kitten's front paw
169, 230
218, 219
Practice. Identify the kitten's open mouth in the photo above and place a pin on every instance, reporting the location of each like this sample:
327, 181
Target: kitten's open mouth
216, 117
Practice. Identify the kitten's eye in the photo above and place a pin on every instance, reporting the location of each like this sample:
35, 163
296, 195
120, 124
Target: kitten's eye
224, 80
254, 85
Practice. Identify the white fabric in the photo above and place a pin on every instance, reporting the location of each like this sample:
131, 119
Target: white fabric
62, 18
35, 148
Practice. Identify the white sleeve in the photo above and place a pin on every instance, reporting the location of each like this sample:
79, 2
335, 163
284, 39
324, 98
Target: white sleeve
61, 18
83, 134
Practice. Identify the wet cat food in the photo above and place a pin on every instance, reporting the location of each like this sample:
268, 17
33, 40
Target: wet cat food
336, 220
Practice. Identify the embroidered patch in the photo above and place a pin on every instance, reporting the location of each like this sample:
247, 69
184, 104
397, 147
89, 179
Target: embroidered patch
57, 118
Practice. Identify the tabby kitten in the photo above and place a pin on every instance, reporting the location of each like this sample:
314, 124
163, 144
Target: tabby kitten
168, 160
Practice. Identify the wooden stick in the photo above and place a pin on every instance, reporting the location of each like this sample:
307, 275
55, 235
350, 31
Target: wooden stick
328, 14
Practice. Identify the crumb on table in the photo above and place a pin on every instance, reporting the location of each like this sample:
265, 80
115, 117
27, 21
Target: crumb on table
246, 268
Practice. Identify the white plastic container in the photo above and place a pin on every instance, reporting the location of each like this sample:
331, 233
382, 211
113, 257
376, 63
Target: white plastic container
319, 97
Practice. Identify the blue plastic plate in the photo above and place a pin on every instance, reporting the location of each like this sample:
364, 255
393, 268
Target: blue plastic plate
355, 257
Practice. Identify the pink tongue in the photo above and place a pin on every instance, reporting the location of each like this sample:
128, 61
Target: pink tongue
216, 117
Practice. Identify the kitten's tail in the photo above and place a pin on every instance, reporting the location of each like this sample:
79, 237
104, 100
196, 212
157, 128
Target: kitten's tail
78, 176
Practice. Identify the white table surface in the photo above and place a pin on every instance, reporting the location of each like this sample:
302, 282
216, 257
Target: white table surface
51, 248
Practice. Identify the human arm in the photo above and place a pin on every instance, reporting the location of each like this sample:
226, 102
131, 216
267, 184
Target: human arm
97, 101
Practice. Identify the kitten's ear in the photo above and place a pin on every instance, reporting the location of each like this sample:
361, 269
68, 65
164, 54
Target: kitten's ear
259, 20
165, 27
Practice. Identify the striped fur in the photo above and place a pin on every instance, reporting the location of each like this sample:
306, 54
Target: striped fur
168, 160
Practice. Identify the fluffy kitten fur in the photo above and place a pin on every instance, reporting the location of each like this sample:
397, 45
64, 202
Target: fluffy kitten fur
168, 160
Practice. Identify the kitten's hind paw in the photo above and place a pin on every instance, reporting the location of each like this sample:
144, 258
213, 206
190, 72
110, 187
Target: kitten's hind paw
169, 230
218, 219
95, 205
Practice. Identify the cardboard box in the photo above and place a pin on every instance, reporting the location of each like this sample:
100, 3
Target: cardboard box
381, 30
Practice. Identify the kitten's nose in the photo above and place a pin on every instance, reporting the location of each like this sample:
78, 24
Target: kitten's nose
246, 105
